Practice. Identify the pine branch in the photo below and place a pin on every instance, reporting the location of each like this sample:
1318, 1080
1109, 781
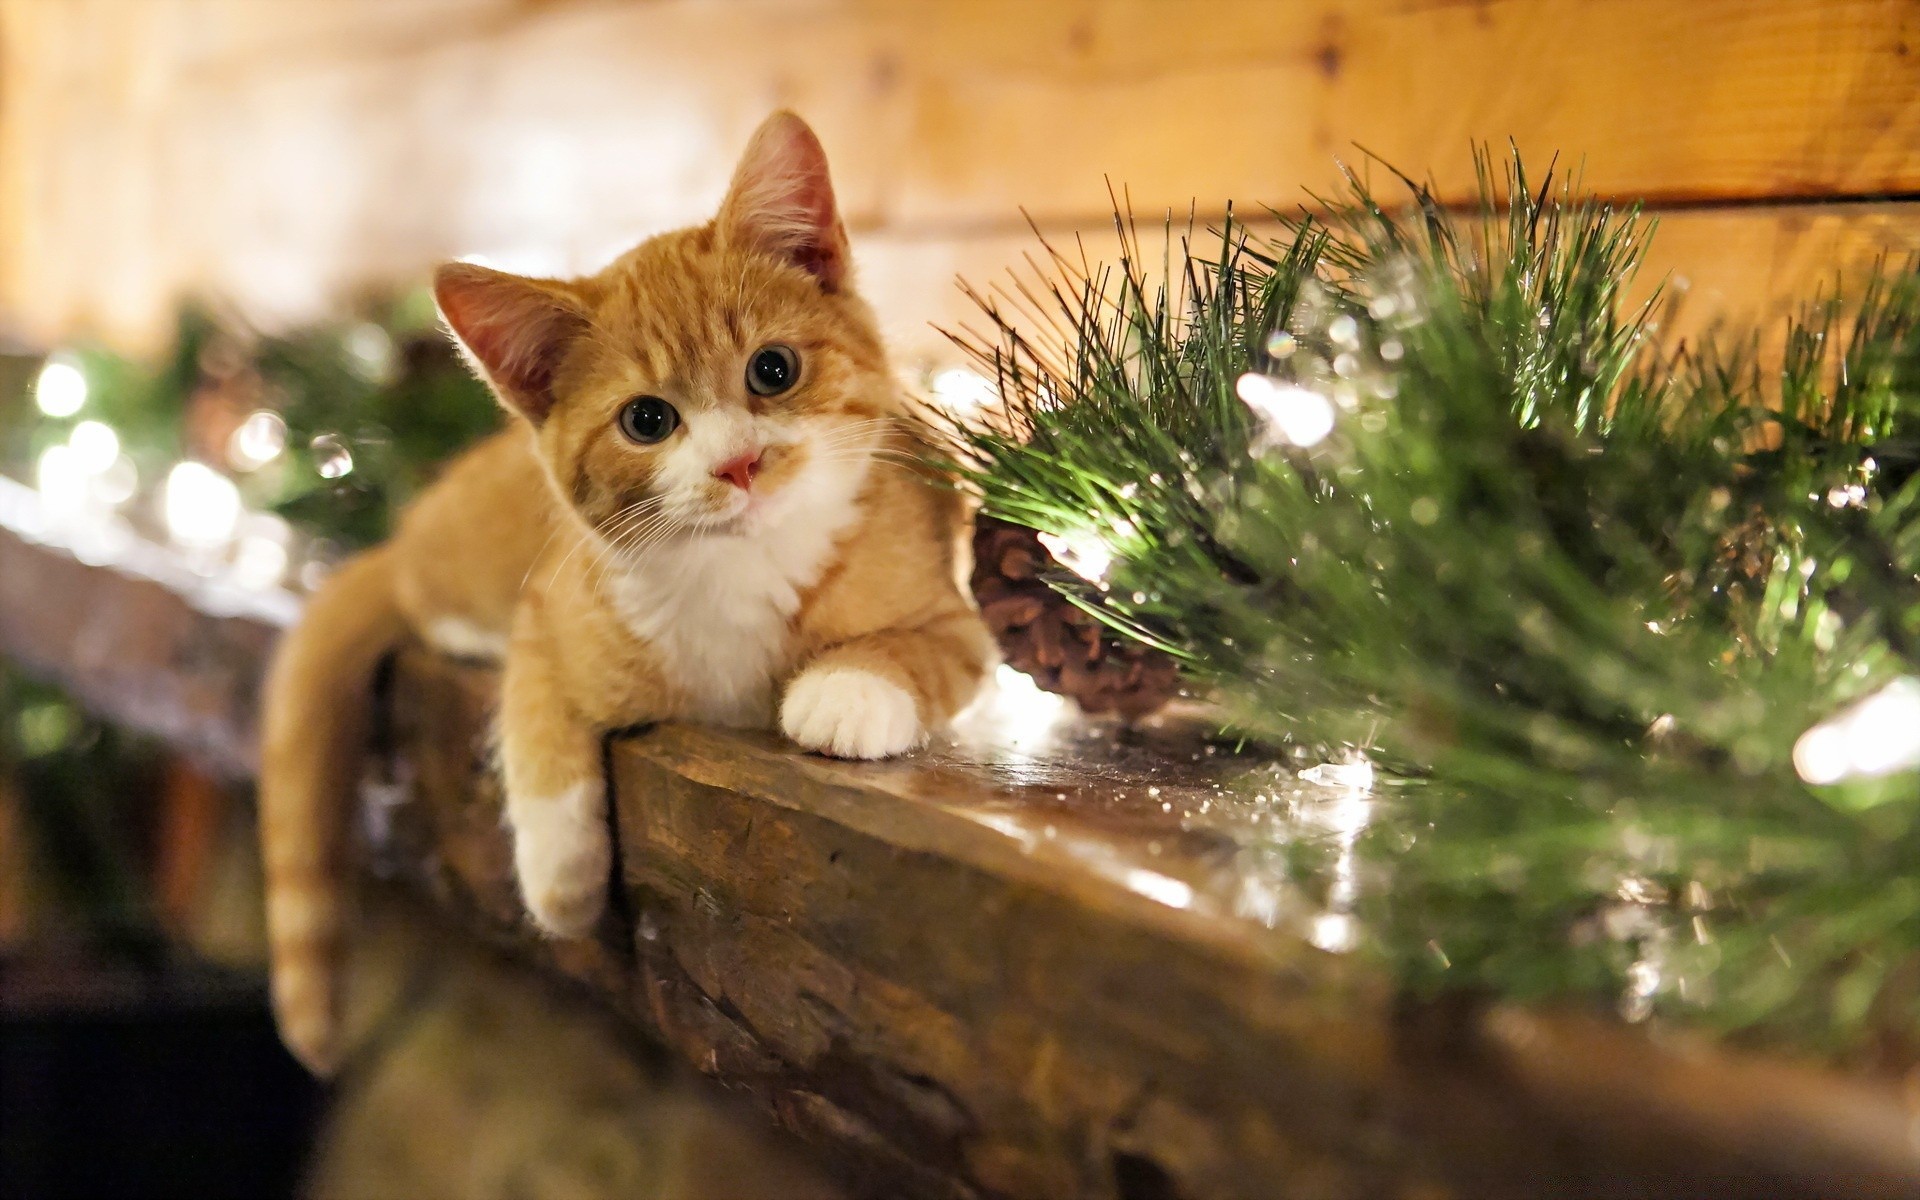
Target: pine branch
1584, 592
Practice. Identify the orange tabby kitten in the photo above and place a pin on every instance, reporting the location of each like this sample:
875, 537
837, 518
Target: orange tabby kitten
705, 511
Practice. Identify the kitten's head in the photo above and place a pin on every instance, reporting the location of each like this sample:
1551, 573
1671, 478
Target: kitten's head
709, 381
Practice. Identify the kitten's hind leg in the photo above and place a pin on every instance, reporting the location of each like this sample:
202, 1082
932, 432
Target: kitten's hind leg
556, 797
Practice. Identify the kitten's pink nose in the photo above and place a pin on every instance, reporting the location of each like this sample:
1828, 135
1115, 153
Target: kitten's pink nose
739, 470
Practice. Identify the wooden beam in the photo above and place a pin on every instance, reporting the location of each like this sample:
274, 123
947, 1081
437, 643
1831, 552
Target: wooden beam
1709, 100
285, 155
1744, 266
1029, 966
993, 972
145, 641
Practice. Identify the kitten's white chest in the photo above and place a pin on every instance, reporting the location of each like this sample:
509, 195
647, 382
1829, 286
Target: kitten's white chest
718, 613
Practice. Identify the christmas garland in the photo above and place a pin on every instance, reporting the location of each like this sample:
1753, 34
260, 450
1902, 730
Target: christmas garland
1633, 629
251, 451
76, 789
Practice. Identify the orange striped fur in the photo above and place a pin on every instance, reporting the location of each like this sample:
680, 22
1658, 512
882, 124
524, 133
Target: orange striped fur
777, 558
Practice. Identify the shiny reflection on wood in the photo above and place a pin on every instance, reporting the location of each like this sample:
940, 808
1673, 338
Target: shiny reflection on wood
1042, 958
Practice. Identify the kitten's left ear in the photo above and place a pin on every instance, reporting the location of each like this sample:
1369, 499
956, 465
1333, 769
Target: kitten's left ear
781, 201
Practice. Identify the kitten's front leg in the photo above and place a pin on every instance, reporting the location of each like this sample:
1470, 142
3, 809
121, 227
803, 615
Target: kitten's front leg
878, 695
556, 796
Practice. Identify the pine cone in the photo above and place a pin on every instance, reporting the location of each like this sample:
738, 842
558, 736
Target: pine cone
1064, 648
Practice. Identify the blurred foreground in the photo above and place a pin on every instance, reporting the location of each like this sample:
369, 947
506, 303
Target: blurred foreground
138, 1057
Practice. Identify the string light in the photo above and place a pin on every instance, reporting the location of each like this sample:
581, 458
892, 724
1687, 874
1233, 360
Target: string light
1334, 932
117, 484
1355, 776
960, 390
201, 506
371, 349
260, 558
260, 439
62, 481
1293, 415
1877, 736
61, 388
1014, 711
96, 447
1082, 553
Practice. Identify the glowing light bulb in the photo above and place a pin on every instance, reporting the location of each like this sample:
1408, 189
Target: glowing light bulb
260, 439
61, 389
117, 484
1014, 711
961, 390
201, 506
1334, 932
62, 480
96, 447
1293, 415
260, 559
1877, 736
371, 348
1082, 553
1021, 704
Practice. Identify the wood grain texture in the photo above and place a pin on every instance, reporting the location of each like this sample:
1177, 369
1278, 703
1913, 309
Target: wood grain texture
285, 154
1025, 104
1007, 966
950, 972
134, 649
485, 1078
1737, 266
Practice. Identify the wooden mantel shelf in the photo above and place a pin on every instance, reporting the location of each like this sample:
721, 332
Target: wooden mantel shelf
1023, 963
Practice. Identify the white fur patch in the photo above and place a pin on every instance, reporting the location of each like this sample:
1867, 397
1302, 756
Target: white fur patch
710, 437
717, 608
562, 857
850, 713
465, 639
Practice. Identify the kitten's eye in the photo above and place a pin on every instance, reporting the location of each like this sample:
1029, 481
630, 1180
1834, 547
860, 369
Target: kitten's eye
648, 419
772, 370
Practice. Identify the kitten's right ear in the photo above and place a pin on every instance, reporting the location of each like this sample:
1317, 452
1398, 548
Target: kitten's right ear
513, 330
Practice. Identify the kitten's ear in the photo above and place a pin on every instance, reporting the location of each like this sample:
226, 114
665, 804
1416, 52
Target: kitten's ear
513, 330
781, 200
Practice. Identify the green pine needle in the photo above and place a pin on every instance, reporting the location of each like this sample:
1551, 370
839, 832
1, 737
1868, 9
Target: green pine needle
1582, 591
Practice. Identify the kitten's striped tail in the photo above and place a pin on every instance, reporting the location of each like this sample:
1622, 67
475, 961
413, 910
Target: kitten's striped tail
317, 705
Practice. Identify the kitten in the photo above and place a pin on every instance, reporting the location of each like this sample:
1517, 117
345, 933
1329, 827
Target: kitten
707, 509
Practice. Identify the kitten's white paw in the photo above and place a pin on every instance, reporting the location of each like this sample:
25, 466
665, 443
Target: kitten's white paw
850, 713
466, 639
562, 857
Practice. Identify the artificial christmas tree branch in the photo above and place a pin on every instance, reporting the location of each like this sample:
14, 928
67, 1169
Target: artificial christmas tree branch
1635, 625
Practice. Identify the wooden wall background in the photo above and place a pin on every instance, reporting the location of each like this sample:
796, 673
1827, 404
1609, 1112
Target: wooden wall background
283, 153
